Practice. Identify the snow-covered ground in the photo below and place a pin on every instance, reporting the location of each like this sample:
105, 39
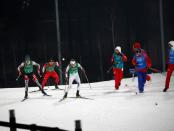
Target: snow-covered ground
110, 110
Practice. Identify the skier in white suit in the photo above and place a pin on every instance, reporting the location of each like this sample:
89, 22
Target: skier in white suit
73, 75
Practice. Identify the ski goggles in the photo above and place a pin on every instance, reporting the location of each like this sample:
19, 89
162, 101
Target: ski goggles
138, 51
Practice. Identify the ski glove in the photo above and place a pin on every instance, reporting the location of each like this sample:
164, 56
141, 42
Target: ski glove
83, 70
66, 79
20, 73
121, 54
149, 65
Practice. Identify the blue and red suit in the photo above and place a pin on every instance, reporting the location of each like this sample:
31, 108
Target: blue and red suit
137, 46
141, 61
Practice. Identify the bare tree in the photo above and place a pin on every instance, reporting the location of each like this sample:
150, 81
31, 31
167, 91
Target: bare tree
112, 18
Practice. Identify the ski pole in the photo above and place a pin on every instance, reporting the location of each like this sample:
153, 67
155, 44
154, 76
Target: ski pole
132, 71
66, 84
40, 75
155, 70
18, 77
109, 69
133, 77
62, 72
87, 78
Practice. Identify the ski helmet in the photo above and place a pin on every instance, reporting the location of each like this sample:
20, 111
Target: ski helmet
118, 48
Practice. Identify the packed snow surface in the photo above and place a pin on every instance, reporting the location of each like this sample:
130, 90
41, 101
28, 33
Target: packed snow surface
106, 110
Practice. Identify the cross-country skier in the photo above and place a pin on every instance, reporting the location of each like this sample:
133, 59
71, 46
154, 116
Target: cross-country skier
72, 73
28, 73
136, 46
141, 62
118, 59
170, 65
49, 71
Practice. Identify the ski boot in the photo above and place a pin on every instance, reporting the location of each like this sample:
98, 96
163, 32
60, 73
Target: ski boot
141, 91
165, 90
65, 95
26, 95
57, 87
44, 93
116, 87
77, 94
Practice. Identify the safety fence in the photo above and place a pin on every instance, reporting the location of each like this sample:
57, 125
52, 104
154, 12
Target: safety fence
33, 127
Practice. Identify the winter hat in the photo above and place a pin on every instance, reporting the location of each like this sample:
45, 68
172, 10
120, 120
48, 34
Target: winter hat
50, 59
171, 43
27, 58
137, 45
118, 48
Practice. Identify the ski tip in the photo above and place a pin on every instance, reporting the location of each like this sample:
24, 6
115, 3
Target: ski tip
82, 97
62, 99
24, 99
46, 95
